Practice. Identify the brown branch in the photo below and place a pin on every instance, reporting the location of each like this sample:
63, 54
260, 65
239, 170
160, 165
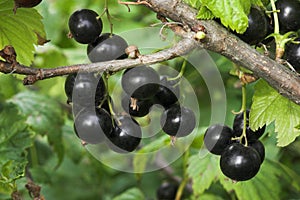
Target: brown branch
221, 41
33, 74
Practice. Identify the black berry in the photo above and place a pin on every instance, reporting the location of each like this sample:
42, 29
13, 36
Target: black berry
217, 137
167, 191
292, 54
140, 82
239, 162
107, 47
178, 121
85, 26
93, 125
259, 147
135, 107
289, 15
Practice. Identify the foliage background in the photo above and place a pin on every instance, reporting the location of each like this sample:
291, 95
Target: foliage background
65, 170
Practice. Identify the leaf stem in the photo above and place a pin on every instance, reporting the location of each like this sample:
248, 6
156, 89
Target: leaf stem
182, 70
185, 176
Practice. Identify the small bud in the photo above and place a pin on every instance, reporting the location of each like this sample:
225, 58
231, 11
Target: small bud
132, 52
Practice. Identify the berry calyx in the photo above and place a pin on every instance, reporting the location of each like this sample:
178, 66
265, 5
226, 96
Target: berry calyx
178, 121
107, 47
217, 137
140, 82
126, 135
240, 163
85, 26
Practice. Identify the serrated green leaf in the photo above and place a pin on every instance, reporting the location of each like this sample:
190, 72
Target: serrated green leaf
194, 3
44, 116
265, 185
202, 172
15, 138
232, 13
205, 13
20, 30
131, 194
269, 106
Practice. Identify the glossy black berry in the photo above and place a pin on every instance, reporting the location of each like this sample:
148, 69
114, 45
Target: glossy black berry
93, 125
135, 107
259, 147
167, 191
292, 54
85, 26
258, 25
140, 82
240, 163
168, 93
85, 89
238, 125
126, 135
178, 121
107, 47
289, 15
26, 3
217, 137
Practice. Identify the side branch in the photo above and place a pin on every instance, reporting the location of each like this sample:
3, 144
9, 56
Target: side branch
33, 74
221, 41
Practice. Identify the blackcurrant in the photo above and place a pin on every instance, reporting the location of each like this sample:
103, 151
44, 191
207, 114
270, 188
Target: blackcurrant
136, 108
238, 125
240, 163
26, 3
167, 191
85, 26
107, 47
93, 125
85, 89
292, 54
288, 15
178, 121
217, 137
259, 147
258, 25
140, 82
168, 92
126, 135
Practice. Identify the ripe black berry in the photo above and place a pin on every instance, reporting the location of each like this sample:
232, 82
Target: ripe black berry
289, 15
85, 89
217, 137
92, 125
178, 121
292, 54
258, 25
140, 82
167, 191
238, 125
259, 147
239, 162
140, 108
85, 26
107, 47
126, 135
26, 4
167, 94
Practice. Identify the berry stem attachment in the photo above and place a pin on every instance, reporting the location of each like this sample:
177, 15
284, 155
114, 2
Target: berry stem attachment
182, 70
244, 109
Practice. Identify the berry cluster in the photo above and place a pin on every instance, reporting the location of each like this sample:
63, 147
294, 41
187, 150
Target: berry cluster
95, 120
241, 156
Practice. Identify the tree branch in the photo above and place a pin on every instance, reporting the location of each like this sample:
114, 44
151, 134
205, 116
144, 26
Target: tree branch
33, 74
221, 41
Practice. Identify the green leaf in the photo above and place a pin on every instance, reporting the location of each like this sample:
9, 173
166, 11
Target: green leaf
265, 185
15, 138
232, 13
269, 106
202, 172
131, 194
205, 13
20, 30
194, 3
44, 116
